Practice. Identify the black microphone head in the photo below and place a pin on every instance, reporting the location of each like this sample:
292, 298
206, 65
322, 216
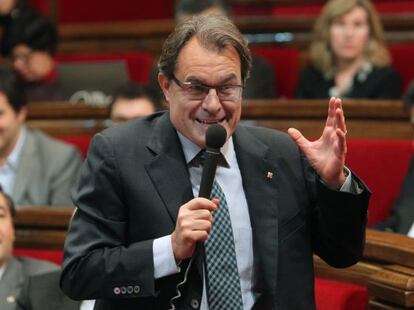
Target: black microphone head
216, 136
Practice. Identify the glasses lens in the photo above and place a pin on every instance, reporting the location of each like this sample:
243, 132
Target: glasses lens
196, 91
229, 92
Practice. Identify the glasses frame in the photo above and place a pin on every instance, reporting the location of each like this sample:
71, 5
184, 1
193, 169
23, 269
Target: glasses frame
185, 87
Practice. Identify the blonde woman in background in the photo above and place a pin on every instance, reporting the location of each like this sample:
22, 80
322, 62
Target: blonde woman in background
348, 55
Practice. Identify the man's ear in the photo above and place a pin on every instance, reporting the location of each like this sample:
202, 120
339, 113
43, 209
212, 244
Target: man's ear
165, 86
22, 114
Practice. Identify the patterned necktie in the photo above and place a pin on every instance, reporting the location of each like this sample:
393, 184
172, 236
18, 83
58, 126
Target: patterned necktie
223, 290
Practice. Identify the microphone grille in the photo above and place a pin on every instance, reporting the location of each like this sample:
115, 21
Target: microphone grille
215, 136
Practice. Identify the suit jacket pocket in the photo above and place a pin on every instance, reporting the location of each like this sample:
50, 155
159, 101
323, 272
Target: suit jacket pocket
292, 226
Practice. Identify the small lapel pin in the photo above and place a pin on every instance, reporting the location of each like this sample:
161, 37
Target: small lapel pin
269, 175
11, 299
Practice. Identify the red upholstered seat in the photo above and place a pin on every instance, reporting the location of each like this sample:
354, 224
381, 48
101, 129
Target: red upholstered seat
335, 295
139, 63
54, 256
382, 164
73, 11
403, 61
285, 61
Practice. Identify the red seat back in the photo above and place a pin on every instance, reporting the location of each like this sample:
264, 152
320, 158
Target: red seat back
382, 165
337, 295
54, 256
75, 11
403, 62
285, 61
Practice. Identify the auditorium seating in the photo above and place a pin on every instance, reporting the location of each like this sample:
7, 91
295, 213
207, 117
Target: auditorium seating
74, 11
313, 9
403, 62
285, 62
382, 164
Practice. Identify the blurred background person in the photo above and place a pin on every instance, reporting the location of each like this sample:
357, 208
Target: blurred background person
42, 292
14, 270
349, 58
31, 46
401, 219
409, 101
35, 169
132, 101
261, 83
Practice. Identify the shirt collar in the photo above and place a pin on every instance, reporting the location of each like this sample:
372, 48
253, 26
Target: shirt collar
2, 269
13, 158
191, 150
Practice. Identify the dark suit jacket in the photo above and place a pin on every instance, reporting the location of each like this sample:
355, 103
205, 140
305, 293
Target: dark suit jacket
42, 292
129, 193
402, 213
380, 83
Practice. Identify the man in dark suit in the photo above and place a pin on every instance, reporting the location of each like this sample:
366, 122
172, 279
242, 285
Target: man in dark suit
402, 213
133, 236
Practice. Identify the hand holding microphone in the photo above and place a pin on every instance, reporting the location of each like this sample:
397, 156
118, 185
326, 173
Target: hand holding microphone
194, 219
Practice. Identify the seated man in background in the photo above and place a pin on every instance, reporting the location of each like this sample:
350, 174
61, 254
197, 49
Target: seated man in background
13, 270
401, 219
261, 83
35, 169
31, 45
132, 101
402, 213
42, 292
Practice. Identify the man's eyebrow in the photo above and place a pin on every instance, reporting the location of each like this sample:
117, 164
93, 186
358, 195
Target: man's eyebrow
194, 79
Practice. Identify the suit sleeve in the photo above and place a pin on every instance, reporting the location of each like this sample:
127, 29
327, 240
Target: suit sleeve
99, 262
339, 221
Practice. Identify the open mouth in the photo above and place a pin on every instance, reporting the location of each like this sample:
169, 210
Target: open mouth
210, 121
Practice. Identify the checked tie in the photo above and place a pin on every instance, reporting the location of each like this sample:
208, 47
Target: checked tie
223, 291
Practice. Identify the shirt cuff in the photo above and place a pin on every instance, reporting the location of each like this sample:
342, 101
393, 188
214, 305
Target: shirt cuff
346, 187
164, 261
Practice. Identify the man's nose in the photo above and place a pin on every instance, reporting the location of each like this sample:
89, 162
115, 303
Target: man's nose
212, 101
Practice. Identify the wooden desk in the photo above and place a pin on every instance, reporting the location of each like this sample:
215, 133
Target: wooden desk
387, 267
149, 35
365, 118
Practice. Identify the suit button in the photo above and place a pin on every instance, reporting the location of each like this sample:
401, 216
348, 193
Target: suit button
117, 290
194, 303
136, 289
130, 289
123, 290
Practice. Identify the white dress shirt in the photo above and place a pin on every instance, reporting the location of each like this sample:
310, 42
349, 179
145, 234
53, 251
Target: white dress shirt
229, 178
2, 269
411, 232
87, 304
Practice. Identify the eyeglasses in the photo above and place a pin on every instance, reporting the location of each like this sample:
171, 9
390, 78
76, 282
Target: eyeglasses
199, 91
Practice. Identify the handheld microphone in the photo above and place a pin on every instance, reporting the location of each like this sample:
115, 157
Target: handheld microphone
215, 138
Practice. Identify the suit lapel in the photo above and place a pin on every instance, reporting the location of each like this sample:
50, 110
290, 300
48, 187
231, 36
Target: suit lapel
28, 169
259, 177
168, 171
10, 284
